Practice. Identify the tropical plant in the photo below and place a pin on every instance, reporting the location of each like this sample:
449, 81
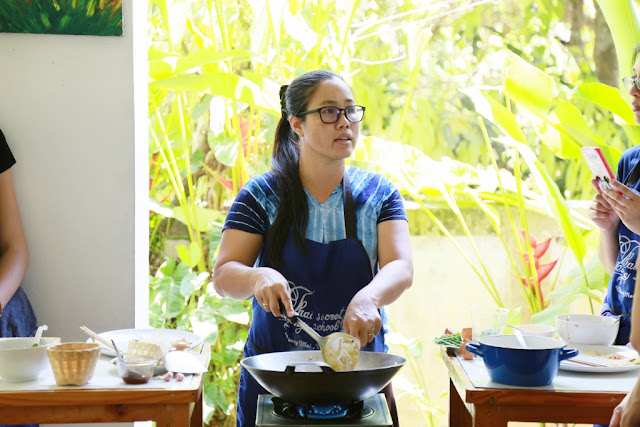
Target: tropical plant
426, 71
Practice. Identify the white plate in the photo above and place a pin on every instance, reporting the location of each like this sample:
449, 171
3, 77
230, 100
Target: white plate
601, 350
162, 337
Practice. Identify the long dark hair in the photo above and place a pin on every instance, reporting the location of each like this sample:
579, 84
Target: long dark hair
293, 210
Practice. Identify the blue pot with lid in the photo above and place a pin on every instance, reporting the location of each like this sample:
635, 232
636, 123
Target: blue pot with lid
508, 363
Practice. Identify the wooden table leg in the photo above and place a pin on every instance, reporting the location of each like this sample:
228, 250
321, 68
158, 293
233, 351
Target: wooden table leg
196, 415
459, 415
489, 416
174, 415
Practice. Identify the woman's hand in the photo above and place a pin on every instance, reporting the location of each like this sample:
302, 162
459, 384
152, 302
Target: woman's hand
625, 203
601, 212
362, 319
617, 412
270, 287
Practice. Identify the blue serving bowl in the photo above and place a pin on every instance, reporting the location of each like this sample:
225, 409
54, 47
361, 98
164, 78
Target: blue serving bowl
508, 363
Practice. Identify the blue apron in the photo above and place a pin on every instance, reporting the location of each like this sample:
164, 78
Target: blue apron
18, 320
323, 281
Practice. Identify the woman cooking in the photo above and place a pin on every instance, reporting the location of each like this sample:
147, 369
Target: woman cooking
312, 232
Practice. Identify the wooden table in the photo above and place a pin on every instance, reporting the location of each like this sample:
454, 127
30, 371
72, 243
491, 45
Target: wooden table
104, 399
495, 407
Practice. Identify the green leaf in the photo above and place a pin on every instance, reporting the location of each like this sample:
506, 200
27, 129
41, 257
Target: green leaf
496, 113
575, 130
225, 148
622, 20
162, 68
205, 327
528, 85
190, 256
228, 85
607, 97
186, 284
205, 217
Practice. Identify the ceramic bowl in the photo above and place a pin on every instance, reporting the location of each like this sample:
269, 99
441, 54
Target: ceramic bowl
587, 329
532, 329
20, 362
508, 363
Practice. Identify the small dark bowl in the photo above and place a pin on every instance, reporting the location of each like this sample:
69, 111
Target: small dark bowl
508, 363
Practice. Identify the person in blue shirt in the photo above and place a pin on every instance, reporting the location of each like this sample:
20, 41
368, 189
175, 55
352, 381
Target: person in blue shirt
617, 213
329, 241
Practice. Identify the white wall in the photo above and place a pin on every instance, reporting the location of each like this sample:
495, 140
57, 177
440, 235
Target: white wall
67, 110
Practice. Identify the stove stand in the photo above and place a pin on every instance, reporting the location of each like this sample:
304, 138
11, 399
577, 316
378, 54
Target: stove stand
373, 412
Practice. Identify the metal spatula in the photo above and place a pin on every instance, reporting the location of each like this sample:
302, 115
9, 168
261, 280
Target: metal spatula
339, 350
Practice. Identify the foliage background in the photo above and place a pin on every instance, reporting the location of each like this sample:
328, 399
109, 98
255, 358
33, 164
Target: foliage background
470, 104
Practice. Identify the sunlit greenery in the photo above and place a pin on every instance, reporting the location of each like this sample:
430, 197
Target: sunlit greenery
469, 103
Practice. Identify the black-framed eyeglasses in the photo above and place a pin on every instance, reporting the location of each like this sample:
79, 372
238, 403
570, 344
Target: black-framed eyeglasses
353, 113
630, 81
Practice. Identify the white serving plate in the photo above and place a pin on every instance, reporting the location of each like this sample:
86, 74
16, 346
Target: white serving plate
162, 337
584, 351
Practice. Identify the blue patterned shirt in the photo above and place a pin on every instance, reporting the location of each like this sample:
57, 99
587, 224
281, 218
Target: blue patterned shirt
375, 198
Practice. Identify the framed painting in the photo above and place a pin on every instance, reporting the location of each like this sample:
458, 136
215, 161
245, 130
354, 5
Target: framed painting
78, 17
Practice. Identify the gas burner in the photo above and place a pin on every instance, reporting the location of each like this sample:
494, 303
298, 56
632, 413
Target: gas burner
302, 411
373, 411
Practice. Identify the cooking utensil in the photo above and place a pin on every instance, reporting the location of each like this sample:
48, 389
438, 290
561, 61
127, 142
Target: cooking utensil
508, 363
584, 362
518, 334
130, 373
536, 329
96, 337
339, 350
302, 376
36, 340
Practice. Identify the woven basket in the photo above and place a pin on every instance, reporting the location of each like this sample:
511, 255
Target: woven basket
73, 363
140, 350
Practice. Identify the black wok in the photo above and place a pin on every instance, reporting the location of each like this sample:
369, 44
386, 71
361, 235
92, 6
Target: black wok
303, 377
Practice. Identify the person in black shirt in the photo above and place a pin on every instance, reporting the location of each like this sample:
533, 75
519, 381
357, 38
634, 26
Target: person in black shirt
17, 318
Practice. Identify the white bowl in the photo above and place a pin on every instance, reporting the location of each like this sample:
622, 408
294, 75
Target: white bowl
19, 362
587, 329
536, 330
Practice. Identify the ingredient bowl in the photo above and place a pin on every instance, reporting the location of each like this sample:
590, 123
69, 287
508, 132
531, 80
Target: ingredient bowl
73, 363
487, 321
508, 363
136, 371
587, 329
20, 362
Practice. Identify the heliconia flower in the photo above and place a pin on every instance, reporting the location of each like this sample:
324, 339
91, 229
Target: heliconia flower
542, 270
227, 183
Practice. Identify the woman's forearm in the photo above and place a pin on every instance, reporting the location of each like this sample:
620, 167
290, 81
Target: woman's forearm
13, 266
234, 280
14, 250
